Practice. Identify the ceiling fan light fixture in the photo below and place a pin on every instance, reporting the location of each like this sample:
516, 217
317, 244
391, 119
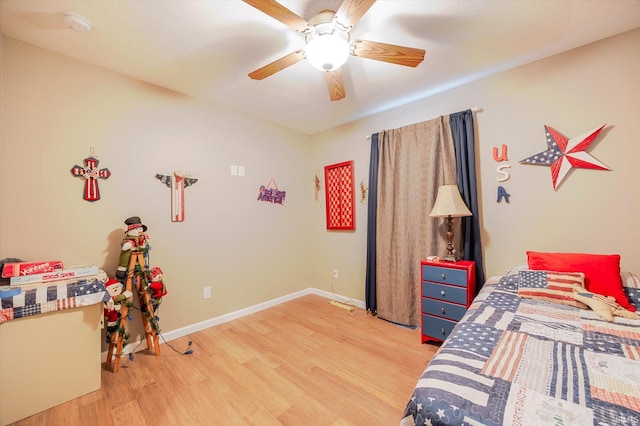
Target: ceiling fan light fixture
327, 52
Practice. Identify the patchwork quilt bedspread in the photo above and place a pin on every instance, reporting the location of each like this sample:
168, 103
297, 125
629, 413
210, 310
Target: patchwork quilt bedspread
42, 298
517, 361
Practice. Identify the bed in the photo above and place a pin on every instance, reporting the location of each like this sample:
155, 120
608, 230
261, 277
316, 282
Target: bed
518, 360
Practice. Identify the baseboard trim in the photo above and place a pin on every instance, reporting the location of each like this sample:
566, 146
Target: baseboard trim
212, 322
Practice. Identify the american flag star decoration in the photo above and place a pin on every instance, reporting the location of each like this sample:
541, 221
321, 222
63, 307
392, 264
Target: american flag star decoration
563, 154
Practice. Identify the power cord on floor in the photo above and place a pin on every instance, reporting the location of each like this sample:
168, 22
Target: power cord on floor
187, 351
350, 305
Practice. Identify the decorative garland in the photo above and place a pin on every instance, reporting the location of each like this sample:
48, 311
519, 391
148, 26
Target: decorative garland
147, 282
140, 278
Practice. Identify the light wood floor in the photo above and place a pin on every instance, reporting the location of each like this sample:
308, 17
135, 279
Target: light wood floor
303, 362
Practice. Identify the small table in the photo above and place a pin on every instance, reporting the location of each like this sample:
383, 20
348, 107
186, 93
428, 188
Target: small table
448, 288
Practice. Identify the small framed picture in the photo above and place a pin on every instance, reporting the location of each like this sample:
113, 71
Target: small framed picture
340, 196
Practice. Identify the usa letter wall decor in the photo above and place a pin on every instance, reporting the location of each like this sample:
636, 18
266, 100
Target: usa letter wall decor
504, 175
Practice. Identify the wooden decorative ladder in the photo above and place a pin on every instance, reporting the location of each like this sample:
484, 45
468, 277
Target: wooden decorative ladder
136, 264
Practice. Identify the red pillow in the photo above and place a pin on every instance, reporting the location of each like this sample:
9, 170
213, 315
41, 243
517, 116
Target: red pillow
602, 271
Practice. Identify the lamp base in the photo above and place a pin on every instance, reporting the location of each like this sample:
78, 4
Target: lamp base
449, 258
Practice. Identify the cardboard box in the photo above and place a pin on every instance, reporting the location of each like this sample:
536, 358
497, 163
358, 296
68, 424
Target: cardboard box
8, 291
58, 275
17, 269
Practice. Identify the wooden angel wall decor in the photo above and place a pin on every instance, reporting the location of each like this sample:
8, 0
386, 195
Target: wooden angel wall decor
177, 183
316, 181
363, 192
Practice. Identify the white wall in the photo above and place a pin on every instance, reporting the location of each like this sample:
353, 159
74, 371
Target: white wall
1, 118
593, 211
55, 109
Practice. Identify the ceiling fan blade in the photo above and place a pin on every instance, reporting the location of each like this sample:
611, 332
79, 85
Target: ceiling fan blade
384, 52
351, 11
335, 84
277, 65
281, 13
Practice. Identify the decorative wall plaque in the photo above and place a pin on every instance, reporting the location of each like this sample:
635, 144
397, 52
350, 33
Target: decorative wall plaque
340, 196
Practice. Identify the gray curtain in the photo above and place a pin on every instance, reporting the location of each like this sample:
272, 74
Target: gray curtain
413, 161
371, 302
462, 130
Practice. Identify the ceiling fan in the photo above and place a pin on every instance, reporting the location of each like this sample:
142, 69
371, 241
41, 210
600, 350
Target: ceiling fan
327, 42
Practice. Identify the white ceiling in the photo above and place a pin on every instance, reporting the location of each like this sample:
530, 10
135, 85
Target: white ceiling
206, 48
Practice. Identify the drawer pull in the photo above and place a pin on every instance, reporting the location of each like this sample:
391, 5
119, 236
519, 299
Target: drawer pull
443, 276
443, 331
442, 310
442, 292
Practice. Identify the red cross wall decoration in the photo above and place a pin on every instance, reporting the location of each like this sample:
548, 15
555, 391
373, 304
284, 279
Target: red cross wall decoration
90, 173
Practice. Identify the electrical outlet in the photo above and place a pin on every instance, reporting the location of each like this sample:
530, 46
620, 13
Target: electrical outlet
207, 292
335, 274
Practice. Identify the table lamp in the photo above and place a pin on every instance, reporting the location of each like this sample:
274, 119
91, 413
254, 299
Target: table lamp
449, 204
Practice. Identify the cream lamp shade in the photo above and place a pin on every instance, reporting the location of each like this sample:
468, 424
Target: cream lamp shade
449, 204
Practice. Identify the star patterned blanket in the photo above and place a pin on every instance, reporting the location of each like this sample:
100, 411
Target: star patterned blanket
517, 361
41, 298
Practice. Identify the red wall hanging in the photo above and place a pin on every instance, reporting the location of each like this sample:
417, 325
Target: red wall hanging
340, 196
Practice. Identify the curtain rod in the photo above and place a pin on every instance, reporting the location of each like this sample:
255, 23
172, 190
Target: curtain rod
473, 109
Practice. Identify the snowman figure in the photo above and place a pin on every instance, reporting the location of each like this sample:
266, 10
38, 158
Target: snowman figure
112, 308
135, 240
